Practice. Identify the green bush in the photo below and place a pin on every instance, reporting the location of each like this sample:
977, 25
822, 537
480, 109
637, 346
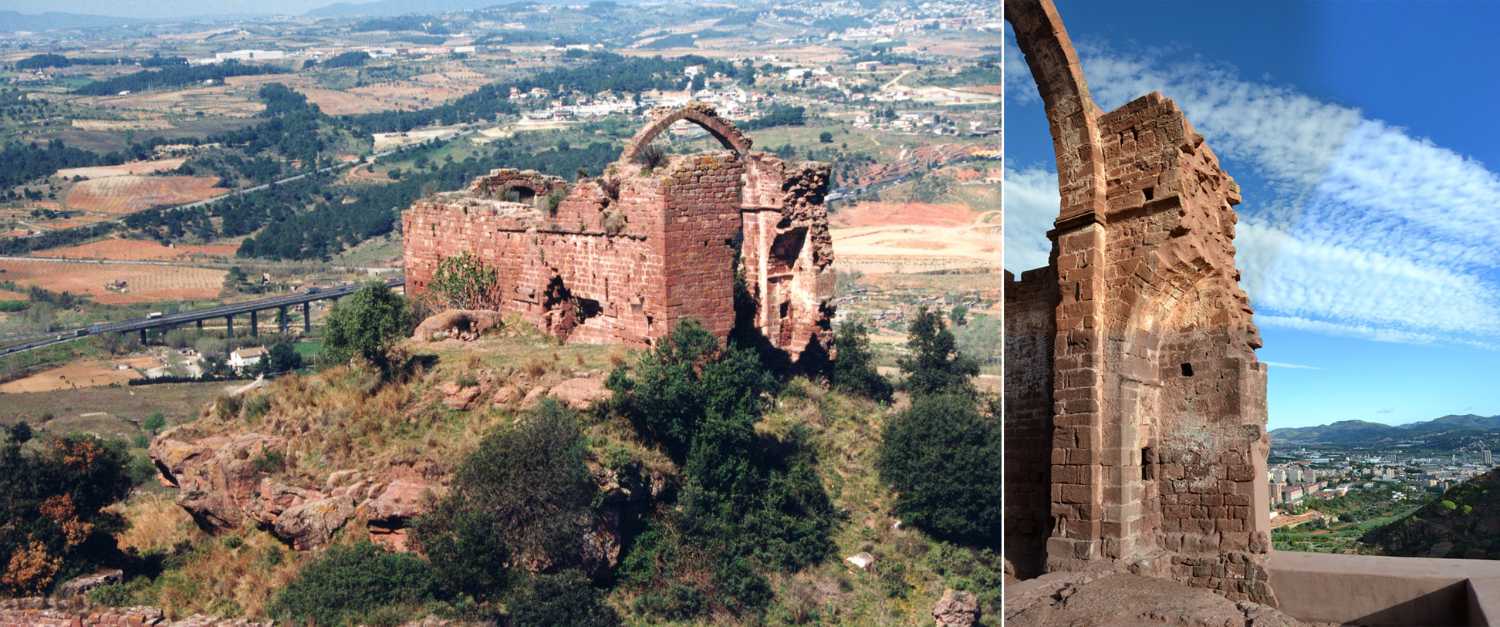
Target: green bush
934, 364
678, 602
367, 323
154, 423
524, 492
465, 281
12, 306
943, 458
854, 367
565, 598
681, 380
349, 584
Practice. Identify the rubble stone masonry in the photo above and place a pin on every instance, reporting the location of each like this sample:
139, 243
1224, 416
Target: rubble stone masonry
1158, 441
624, 257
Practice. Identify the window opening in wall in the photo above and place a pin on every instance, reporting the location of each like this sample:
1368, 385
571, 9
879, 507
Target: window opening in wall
1187, 370
1148, 464
1150, 192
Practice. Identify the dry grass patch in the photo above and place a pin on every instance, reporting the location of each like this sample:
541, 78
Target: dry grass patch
157, 524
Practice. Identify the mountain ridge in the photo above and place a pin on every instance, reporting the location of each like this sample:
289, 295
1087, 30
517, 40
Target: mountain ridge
1357, 432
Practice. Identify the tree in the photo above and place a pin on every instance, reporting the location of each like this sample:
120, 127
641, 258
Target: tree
465, 281
934, 364
942, 456
825, 137
523, 494
367, 323
282, 357
854, 364
154, 423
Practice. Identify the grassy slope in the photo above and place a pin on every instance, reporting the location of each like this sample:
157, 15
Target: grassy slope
351, 422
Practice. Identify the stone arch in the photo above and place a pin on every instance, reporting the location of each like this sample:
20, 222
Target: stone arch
1072, 116
699, 113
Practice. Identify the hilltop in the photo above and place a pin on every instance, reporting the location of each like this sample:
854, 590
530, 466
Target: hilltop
1362, 433
1464, 523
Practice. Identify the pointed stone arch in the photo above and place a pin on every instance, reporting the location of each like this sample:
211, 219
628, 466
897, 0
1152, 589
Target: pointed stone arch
700, 113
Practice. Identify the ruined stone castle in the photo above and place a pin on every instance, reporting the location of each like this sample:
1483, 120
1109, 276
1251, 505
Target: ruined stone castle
624, 257
1135, 426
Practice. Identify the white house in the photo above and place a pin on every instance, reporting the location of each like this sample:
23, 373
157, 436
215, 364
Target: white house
246, 358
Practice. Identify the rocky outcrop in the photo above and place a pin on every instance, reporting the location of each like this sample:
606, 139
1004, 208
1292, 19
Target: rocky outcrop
313, 523
460, 324
956, 609
217, 477
80, 586
226, 481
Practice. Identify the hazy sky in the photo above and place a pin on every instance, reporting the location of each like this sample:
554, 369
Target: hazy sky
165, 8
1369, 235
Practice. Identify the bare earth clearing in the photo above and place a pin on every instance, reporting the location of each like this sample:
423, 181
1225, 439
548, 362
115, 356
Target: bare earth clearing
134, 167
81, 374
880, 237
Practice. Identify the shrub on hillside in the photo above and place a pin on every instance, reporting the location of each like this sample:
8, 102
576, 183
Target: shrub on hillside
52, 523
934, 364
566, 598
367, 323
522, 494
351, 584
675, 386
854, 368
943, 458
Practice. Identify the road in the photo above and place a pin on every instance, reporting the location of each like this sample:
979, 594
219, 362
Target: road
188, 317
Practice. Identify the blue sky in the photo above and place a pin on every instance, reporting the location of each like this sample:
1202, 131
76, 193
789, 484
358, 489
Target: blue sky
1363, 138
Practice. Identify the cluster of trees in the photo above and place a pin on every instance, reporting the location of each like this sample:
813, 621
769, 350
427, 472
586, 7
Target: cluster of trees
48, 60
26, 162
778, 115
751, 504
173, 76
354, 58
54, 507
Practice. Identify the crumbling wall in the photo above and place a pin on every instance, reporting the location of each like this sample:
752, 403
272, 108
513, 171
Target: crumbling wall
1030, 330
1158, 441
624, 257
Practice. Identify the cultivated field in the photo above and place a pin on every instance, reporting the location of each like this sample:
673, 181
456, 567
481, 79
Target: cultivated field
146, 283
179, 401
134, 167
882, 237
139, 250
121, 195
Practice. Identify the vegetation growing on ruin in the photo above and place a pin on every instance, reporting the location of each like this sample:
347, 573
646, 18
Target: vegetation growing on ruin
464, 281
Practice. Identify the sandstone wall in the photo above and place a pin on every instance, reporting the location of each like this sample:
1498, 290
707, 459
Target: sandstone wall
623, 258
1030, 330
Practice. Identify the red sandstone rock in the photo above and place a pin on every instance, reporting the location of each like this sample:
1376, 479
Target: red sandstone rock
580, 393
956, 609
217, 477
313, 523
461, 324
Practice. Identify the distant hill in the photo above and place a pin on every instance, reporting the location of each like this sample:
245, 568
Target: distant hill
387, 8
1362, 433
1465, 523
12, 21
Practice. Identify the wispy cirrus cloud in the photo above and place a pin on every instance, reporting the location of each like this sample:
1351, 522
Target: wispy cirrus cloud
1357, 228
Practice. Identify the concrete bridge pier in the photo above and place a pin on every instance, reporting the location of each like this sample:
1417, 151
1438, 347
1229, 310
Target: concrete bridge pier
229, 325
200, 325
282, 321
254, 323
306, 318
143, 337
